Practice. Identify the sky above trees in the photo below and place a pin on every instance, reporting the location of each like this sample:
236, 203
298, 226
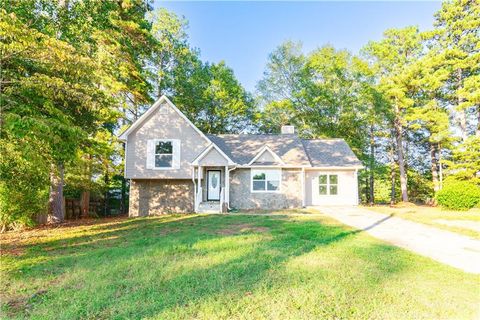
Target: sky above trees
244, 33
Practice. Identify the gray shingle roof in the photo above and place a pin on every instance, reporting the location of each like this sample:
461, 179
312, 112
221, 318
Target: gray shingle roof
330, 153
293, 151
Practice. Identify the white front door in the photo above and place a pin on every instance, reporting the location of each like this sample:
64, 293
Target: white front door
213, 185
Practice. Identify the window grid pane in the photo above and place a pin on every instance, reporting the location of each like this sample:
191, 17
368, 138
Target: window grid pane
273, 185
164, 147
259, 176
333, 189
322, 189
163, 160
333, 179
258, 185
322, 179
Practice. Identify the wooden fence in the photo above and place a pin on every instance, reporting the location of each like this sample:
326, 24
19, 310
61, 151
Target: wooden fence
73, 209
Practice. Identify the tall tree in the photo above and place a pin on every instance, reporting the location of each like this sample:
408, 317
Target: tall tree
457, 26
392, 56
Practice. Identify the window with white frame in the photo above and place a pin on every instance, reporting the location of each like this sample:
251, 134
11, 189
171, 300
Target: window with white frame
163, 154
265, 180
328, 184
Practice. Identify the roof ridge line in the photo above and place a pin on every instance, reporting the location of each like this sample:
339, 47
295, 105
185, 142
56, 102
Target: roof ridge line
306, 152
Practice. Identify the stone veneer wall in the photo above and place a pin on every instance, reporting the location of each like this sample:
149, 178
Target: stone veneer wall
154, 197
290, 195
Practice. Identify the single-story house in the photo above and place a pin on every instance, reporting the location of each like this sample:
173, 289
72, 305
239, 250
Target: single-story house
175, 167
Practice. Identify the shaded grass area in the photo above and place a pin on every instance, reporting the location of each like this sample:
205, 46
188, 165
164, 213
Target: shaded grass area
220, 266
432, 216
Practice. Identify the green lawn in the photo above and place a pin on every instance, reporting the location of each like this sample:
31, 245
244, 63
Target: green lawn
430, 215
220, 266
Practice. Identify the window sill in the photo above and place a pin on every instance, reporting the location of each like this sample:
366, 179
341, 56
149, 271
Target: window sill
264, 191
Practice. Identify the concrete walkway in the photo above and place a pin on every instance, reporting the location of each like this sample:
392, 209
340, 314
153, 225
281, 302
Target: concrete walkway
456, 250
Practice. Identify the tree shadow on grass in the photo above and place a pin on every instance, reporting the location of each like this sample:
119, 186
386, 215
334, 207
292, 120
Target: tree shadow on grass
146, 267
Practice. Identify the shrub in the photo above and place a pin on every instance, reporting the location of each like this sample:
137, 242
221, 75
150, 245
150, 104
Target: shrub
459, 195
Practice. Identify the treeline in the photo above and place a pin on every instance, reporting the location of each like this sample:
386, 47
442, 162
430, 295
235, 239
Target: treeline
75, 73
409, 105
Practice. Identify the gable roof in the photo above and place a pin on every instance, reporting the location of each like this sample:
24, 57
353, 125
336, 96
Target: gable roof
242, 148
263, 151
207, 151
330, 153
153, 108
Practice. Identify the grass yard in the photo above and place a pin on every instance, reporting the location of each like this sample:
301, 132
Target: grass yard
432, 215
221, 266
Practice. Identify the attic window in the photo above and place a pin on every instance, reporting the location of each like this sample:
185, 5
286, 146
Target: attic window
163, 154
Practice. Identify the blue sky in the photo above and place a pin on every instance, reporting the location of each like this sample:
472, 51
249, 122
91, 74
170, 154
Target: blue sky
244, 33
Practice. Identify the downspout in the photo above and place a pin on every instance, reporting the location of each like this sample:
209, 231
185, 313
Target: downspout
302, 179
228, 202
356, 187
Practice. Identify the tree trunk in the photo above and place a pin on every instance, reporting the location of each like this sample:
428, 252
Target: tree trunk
434, 166
392, 174
477, 131
372, 163
85, 197
106, 211
367, 200
463, 124
440, 166
462, 114
56, 212
123, 204
400, 155
85, 204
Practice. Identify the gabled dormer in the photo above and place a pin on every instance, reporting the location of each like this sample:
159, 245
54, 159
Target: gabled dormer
265, 156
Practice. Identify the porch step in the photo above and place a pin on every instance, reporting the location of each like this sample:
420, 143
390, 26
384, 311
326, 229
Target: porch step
209, 207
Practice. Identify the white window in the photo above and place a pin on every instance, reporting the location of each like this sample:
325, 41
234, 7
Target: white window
266, 180
163, 154
328, 184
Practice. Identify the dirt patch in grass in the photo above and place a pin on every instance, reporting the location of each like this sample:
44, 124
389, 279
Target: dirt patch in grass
240, 228
20, 304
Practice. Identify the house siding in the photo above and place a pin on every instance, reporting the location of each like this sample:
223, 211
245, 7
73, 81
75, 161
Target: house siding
213, 158
155, 197
163, 123
290, 195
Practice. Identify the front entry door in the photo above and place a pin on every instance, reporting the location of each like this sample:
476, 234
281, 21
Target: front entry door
213, 185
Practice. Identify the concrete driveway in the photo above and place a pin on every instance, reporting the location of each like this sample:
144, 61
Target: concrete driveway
456, 250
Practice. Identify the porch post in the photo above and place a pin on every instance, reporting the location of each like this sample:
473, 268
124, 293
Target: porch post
227, 186
194, 190
355, 177
302, 179
199, 191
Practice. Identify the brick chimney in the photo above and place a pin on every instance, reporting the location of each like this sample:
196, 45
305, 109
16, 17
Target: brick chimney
288, 130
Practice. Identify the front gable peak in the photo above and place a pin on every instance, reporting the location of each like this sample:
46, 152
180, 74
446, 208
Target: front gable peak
159, 106
265, 156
